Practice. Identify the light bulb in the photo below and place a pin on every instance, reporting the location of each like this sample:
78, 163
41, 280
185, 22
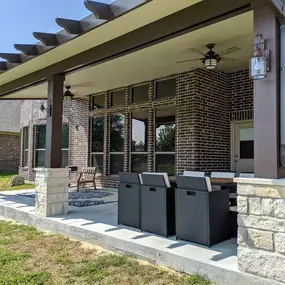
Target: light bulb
257, 65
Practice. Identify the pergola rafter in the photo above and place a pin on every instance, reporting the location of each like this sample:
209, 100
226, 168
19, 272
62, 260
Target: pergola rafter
71, 29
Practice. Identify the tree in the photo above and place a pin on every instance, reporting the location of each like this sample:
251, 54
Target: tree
165, 139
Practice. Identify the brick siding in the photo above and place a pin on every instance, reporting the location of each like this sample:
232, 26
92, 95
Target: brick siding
9, 152
205, 103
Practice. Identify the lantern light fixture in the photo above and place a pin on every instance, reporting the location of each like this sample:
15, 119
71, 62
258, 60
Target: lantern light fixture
68, 95
259, 64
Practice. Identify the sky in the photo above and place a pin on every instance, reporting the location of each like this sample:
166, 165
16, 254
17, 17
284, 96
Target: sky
20, 18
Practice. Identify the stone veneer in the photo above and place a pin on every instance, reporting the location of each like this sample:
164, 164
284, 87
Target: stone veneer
261, 233
51, 192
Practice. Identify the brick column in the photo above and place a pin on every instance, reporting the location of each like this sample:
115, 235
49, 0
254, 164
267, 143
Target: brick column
78, 131
151, 129
106, 136
127, 132
261, 233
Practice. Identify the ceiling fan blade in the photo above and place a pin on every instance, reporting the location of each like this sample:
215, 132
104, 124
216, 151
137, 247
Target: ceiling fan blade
228, 51
189, 60
197, 51
233, 59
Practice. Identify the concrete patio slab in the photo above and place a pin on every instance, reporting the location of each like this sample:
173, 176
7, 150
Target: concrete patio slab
98, 225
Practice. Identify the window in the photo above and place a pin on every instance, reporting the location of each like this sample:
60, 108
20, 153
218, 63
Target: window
118, 98
97, 146
139, 93
97, 102
165, 140
246, 143
139, 141
40, 145
65, 145
25, 149
117, 125
165, 88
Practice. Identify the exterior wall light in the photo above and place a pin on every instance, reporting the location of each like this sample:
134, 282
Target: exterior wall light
68, 96
260, 62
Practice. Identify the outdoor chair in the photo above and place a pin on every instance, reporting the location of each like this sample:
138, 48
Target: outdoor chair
157, 204
223, 175
194, 173
129, 200
227, 175
87, 175
202, 215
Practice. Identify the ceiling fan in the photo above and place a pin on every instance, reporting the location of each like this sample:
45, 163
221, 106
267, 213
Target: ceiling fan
211, 58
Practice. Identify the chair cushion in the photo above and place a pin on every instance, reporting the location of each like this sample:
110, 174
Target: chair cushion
194, 173
165, 175
223, 175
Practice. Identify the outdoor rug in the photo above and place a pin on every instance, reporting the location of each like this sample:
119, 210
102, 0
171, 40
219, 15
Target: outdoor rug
86, 198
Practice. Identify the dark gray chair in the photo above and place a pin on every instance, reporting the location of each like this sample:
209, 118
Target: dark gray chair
129, 200
202, 215
157, 205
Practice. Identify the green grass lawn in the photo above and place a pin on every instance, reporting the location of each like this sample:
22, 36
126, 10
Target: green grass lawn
31, 257
5, 183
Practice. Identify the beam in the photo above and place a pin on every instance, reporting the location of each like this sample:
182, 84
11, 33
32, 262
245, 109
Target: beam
54, 121
120, 7
154, 33
70, 26
46, 38
3, 66
11, 57
100, 10
28, 50
280, 6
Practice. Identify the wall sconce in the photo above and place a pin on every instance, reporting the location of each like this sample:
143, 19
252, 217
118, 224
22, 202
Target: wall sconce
260, 62
42, 107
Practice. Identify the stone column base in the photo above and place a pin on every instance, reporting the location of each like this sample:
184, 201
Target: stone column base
261, 233
51, 191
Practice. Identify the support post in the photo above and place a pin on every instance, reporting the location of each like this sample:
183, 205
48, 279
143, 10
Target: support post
267, 100
54, 122
52, 181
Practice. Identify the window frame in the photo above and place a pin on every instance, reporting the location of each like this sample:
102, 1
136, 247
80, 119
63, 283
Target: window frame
131, 137
109, 137
92, 104
163, 152
110, 93
98, 172
44, 149
164, 79
131, 93
25, 132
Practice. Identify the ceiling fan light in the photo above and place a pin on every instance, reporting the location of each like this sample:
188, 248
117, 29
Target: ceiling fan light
210, 63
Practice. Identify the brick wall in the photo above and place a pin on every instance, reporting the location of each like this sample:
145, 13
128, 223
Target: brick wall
240, 92
9, 153
212, 124
204, 103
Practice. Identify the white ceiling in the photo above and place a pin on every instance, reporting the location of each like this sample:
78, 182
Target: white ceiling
159, 60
